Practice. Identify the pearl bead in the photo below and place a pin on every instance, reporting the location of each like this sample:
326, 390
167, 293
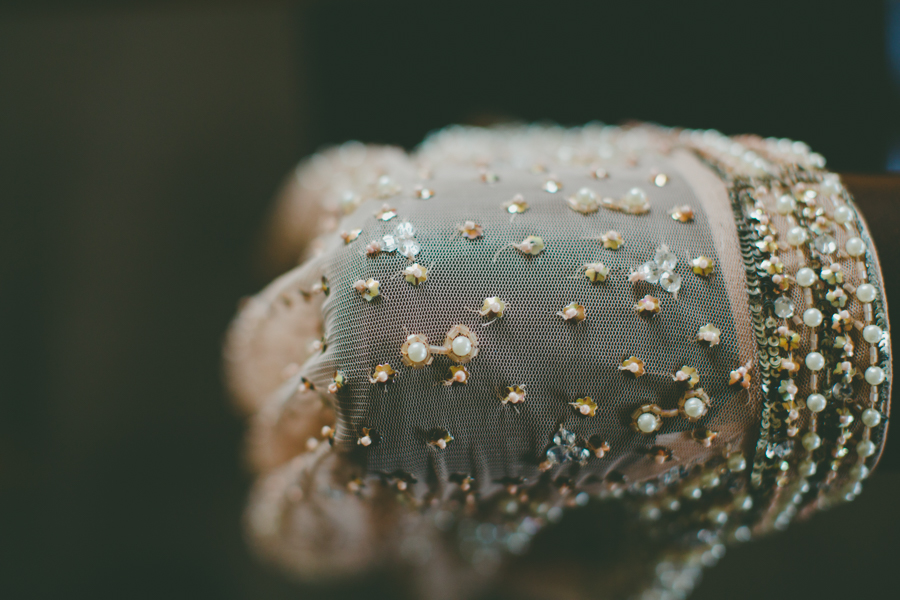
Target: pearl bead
871, 417
872, 333
807, 468
816, 403
784, 204
806, 277
859, 472
417, 352
815, 361
855, 247
842, 214
797, 236
874, 375
866, 292
811, 441
812, 317
865, 448
737, 462
461, 346
647, 422
694, 408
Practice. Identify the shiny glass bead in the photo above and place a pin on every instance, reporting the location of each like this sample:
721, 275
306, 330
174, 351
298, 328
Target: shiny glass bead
783, 307
825, 244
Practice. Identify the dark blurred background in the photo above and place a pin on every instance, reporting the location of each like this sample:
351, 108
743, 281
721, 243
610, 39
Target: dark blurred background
141, 143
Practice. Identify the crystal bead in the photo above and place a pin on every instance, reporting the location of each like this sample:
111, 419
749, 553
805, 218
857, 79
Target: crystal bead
650, 272
783, 307
671, 282
665, 258
826, 244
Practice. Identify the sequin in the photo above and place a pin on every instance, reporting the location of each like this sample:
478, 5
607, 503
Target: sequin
702, 266
688, 374
471, 230
368, 437
424, 193
492, 308
709, 333
415, 274
438, 437
382, 374
458, 374
598, 446
402, 240
517, 205
337, 382
647, 305
368, 289
514, 395
572, 312
386, 213
612, 240
633, 365
532, 245
552, 185
349, 236
596, 272
585, 406
682, 213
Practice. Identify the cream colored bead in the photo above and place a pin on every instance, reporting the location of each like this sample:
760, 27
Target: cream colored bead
811, 441
866, 292
872, 333
812, 317
816, 403
871, 417
842, 214
865, 448
874, 375
806, 277
417, 352
647, 422
785, 204
461, 346
797, 236
815, 361
694, 408
855, 247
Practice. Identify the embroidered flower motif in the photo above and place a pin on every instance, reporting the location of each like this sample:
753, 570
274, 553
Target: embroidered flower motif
682, 213
660, 454
552, 185
373, 249
648, 305
460, 345
471, 230
423, 193
337, 382
492, 308
415, 352
368, 289
598, 446
841, 321
612, 240
634, 202
787, 339
704, 436
584, 201
702, 266
415, 274
837, 297
767, 244
693, 404
564, 449
585, 406
646, 419
844, 344
386, 213
788, 389
709, 333
531, 246
633, 365
845, 368
789, 365
349, 236
572, 312
402, 240
458, 374
596, 272
382, 374
514, 395
369, 436
517, 205
833, 274
688, 374
438, 437
772, 265
740, 375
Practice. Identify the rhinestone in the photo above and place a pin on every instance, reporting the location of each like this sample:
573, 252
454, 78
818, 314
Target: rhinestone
671, 282
665, 259
784, 308
650, 271
826, 244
